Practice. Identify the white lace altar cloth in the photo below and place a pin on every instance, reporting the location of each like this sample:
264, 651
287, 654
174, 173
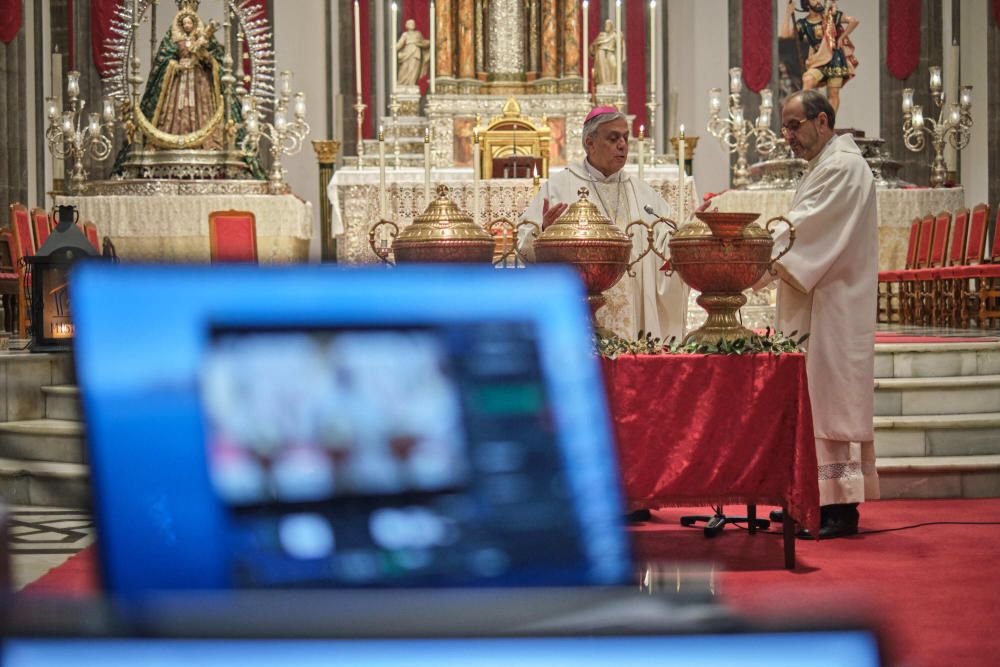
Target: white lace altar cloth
896, 210
354, 199
175, 227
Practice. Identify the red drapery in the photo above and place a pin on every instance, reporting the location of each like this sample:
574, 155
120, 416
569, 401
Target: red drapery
593, 29
902, 49
704, 429
101, 12
757, 38
10, 20
996, 12
635, 61
419, 11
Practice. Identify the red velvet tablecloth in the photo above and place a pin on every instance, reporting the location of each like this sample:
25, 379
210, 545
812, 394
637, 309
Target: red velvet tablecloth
709, 429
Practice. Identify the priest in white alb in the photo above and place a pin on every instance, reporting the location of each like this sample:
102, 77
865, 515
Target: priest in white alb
827, 288
651, 301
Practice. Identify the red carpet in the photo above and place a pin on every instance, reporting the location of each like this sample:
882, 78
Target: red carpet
935, 590
890, 337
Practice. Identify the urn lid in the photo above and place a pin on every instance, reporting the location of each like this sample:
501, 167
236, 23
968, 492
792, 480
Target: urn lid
722, 225
443, 220
583, 221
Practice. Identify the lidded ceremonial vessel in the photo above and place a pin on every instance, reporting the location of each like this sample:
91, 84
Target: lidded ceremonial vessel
442, 233
720, 255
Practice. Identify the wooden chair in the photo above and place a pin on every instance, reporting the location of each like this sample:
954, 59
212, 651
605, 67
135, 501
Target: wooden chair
965, 276
988, 283
233, 236
948, 286
24, 246
9, 283
42, 225
889, 281
908, 288
928, 280
90, 231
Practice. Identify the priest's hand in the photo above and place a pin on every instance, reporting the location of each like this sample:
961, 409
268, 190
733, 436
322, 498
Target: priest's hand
551, 214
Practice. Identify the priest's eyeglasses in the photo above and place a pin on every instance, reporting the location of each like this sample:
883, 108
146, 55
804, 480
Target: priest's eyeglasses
793, 126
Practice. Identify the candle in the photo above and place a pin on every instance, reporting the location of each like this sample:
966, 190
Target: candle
642, 151
475, 175
681, 148
381, 174
907, 100
618, 41
935, 77
392, 40
534, 180
652, 49
72, 84
427, 166
433, 45
357, 50
586, 35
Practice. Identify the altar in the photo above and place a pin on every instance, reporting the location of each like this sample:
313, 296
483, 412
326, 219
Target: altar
354, 199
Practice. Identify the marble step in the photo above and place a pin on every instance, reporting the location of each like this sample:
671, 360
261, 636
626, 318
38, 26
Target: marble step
903, 360
939, 476
56, 440
62, 401
937, 395
44, 483
938, 435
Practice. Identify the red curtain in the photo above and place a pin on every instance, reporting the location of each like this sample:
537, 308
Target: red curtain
996, 11
903, 38
419, 11
10, 20
101, 12
593, 29
757, 38
637, 74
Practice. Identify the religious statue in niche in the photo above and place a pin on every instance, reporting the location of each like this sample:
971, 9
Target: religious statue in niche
183, 102
412, 54
604, 51
825, 31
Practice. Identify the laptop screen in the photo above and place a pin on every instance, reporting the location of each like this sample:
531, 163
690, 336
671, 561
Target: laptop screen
318, 427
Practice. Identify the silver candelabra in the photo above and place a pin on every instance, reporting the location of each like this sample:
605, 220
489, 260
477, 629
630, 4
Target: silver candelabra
734, 131
70, 139
953, 124
284, 135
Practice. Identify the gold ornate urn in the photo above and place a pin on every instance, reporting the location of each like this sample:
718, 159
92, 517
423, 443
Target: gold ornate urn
598, 248
720, 255
442, 233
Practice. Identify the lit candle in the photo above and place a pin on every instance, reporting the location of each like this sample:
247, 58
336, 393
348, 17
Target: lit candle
51, 108
681, 148
427, 166
586, 35
72, 84
965, 97
475, 175
534, 180
907, 100
619, 43
280, 120
652, 49
107, 109
954, 114
433, 45
642, 151
918, 117
300, 106
357, 50
935, 76
67, 122
381, 174
94, 123
735, 80
393, 37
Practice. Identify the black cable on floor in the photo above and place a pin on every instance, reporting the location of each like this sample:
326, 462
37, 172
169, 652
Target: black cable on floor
779, 533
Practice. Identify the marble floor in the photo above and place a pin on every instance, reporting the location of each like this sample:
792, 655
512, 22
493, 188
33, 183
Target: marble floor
41, 538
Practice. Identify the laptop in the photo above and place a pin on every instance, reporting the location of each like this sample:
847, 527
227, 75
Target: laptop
312, 427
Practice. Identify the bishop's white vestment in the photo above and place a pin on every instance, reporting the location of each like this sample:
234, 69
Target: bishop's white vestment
827, 287
649, 302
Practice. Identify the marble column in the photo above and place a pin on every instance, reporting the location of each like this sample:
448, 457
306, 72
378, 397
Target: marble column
550, 42
445, 58
571, 38
506, 40
466, 31
533, 37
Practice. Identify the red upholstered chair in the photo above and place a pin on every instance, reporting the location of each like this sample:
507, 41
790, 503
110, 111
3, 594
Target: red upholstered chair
948, 285
42, 225
908, 287
889, 281
966, 275
233, 236
928, 279
90, 231
9, 283
987, 283
24, 246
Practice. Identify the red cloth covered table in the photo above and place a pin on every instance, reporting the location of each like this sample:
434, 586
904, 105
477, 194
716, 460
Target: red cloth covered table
703, 429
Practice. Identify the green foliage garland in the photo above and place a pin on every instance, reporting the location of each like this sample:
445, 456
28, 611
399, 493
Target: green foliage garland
770, 342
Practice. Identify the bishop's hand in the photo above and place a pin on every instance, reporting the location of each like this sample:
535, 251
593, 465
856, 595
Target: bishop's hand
551, 214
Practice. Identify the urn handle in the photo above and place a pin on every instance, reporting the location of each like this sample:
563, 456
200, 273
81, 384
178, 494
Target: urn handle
515, 232
501, 225
650, 240
382, 252
791, 240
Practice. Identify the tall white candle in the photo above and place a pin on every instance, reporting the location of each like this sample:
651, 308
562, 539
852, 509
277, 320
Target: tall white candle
475, 175
381, 174
619, 42
427, 166
682, 177
586, 35
433, 45
642, 151
652, 49
393, 38
357, 50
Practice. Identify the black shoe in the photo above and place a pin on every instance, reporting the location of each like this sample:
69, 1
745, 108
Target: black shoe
638, 516
777, 516
835, 521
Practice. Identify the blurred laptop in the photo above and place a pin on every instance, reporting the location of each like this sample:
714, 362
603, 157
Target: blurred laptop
313, 427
